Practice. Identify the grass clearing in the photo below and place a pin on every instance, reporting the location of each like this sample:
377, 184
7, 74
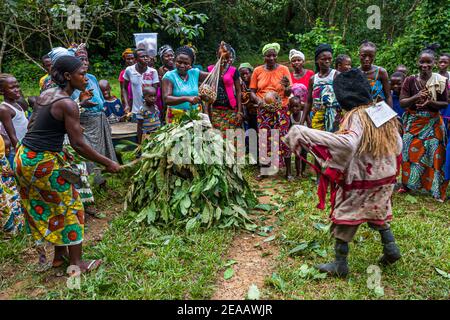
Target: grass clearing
422, 233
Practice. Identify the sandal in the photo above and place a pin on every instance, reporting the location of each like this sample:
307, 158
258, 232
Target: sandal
403, 190
94, 264
259, 177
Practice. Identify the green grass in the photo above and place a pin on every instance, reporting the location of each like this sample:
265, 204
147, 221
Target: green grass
139, 262
422, 232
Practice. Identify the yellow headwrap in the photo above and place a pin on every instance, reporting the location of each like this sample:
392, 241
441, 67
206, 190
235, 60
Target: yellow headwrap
271, 46
127, 51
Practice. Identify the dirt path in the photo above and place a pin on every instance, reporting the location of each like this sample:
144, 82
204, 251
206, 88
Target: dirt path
94, 230
255, 258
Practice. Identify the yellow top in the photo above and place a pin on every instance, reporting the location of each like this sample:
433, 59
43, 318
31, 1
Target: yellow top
41, 80
2, 147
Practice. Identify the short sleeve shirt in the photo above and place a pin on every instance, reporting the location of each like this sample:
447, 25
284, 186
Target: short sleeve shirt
188, 87
138, 81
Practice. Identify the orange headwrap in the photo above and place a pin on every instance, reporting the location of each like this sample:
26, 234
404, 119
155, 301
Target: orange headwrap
127, 51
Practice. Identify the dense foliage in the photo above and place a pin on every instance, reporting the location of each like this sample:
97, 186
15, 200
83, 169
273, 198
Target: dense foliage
28, 28
178, 181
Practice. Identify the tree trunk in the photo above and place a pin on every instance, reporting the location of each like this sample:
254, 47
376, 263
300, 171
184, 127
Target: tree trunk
2, 49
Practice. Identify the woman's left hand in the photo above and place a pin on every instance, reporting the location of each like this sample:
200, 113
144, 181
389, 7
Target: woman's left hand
285, 82
240, 117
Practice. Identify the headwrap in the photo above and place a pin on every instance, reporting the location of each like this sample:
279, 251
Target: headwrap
60, 52
271, 46
127, 51
295, 53
187, 51
322, 48
352, 89
163, 50
81, 51
300, 90
67, 64
245, 65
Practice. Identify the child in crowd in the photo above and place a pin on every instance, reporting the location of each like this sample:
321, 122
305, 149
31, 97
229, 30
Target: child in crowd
47, 65
148, 116
113, 107
343, 63
12, 115
443, 64
11, 214
397, 79
403, 69
377, 76
296, 107
249, 106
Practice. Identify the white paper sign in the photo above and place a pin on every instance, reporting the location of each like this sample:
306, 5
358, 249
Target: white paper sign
380, 113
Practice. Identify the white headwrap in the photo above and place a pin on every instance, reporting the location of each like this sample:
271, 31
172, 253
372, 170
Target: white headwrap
295, 53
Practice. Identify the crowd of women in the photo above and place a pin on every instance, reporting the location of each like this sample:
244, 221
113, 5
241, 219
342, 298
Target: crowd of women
44, 184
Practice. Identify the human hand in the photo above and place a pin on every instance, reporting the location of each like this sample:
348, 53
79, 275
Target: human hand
113, 167
86, 94
240, 117
285, 82
7, 173
194, 100
422, 95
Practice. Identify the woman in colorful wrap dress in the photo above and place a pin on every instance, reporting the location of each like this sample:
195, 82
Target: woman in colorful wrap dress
269, 78
322, 110
11, 214
226, 111
180, 86
424, 137
377, 76
361, 163
53, 208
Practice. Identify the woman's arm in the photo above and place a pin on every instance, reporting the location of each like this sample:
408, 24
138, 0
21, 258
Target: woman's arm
237, 86
386, 87
308, 104
6, 120
171, 100
258, 101
139, 130
71, 117
202, 76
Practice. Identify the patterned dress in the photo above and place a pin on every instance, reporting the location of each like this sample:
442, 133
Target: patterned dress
424, 142
53, 208
11, 214
326, 111
377, 86
264, 81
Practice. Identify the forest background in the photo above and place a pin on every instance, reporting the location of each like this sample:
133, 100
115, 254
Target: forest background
30, 28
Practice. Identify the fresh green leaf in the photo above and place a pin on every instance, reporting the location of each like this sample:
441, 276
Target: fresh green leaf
228, 274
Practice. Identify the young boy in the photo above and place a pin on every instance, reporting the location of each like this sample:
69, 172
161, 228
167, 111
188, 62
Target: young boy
360, 162
403, 69
47, 65
12, 116
343, 63
397, 79
296, 107
11, 214
148, 116
113, 107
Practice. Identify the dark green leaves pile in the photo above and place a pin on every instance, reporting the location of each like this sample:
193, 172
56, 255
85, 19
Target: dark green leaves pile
195, 195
